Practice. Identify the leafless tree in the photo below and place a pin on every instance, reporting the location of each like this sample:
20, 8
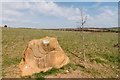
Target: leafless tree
83, 22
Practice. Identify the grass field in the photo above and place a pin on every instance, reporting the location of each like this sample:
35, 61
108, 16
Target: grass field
102, 57
114, 29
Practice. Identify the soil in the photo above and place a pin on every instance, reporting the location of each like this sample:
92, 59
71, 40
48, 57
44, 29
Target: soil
14, 72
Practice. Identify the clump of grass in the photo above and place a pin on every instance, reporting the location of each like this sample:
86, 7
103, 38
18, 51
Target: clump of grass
97, 60
39, 75
82, 66
73, 66
54, 71
26, 76
114, 58
10, 61
111, 58
86, 70
42, 74
4, 73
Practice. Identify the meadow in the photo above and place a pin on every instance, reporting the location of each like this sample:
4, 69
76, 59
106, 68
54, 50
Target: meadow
101, 57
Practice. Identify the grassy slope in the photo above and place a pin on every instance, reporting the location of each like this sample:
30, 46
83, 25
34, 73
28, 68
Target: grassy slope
98, 47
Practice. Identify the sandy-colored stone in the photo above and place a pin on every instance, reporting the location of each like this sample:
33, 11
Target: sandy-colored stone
42, 55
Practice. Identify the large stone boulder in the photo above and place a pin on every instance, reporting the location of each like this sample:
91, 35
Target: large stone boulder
42, 55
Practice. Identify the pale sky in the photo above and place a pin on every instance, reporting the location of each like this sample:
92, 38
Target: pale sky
52, 14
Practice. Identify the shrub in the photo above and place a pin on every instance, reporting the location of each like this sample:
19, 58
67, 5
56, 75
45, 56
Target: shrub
5, 25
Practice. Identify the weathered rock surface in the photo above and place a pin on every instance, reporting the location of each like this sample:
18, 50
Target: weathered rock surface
42, 55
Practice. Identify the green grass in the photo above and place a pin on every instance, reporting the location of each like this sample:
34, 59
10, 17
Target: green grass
26, 77
4, 73
73, 66
49, 72
115, 29
110, 58
54, 71
82, 66
10, 61
97, 60
97, 45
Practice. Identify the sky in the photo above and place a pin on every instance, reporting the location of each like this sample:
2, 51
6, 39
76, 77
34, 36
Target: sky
53, 14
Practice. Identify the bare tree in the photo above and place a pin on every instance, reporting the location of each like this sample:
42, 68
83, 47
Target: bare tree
83, 22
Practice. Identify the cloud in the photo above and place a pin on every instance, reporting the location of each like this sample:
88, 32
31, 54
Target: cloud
46, 8
18, 12
61, 0
107, 18
50, 8
16, 5
12, 13
9, 19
